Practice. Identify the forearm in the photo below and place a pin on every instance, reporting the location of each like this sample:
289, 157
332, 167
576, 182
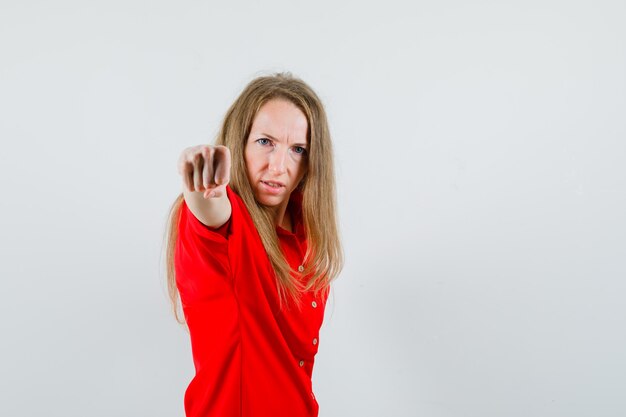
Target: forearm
212, 212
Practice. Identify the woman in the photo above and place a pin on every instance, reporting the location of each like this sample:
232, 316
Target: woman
253, 246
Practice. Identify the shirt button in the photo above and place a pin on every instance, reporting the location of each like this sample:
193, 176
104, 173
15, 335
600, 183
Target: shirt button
301, 268
314, 304
301, 364
315, 341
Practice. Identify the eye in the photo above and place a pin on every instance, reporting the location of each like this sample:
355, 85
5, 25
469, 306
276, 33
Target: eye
299, 150
263, 141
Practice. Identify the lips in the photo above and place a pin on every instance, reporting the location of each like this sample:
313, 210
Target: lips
273, 184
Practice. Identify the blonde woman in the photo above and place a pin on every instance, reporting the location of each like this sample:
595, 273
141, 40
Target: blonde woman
253, 247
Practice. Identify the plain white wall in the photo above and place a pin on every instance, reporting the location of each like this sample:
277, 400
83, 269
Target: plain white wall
480, 158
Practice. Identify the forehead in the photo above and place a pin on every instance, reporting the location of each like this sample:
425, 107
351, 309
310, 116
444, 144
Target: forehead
281, 119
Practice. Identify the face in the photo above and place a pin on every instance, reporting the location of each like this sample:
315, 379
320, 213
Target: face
276, 152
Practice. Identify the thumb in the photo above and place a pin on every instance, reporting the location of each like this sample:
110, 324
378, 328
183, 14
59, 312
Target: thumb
216, 192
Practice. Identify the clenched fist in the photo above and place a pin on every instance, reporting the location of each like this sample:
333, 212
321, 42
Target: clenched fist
205, 168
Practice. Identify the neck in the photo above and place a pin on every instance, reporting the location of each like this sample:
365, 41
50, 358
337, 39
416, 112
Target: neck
282, 217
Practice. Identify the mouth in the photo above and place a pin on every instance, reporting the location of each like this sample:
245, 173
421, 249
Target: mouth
273, 184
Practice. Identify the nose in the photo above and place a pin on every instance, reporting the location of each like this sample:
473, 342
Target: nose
277, 161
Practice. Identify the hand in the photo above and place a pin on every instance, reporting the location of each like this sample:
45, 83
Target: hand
205, 168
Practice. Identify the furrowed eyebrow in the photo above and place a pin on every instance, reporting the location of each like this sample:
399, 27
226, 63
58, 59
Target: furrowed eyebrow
268, 135
303, 145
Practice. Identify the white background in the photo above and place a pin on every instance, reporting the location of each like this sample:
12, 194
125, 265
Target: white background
481, 156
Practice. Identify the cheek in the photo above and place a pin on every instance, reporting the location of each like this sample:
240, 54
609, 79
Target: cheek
303, 167
249, 168
251, 164
301, 174
253, 167
248, 158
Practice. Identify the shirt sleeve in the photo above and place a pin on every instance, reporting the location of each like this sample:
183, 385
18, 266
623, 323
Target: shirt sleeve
202, 259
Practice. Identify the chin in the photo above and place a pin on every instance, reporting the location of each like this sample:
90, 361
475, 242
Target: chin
269, 201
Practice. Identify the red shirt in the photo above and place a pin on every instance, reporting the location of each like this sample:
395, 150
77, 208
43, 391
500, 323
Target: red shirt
251, 358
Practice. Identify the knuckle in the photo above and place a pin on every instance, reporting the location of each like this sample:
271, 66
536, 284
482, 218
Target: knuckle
185, 169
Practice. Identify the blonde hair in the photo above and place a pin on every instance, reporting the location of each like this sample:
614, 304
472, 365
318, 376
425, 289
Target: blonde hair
324, 257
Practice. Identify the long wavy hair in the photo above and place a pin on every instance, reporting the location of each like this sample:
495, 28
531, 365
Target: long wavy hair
324, 257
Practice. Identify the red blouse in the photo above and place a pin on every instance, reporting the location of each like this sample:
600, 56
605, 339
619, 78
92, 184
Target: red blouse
251, 358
